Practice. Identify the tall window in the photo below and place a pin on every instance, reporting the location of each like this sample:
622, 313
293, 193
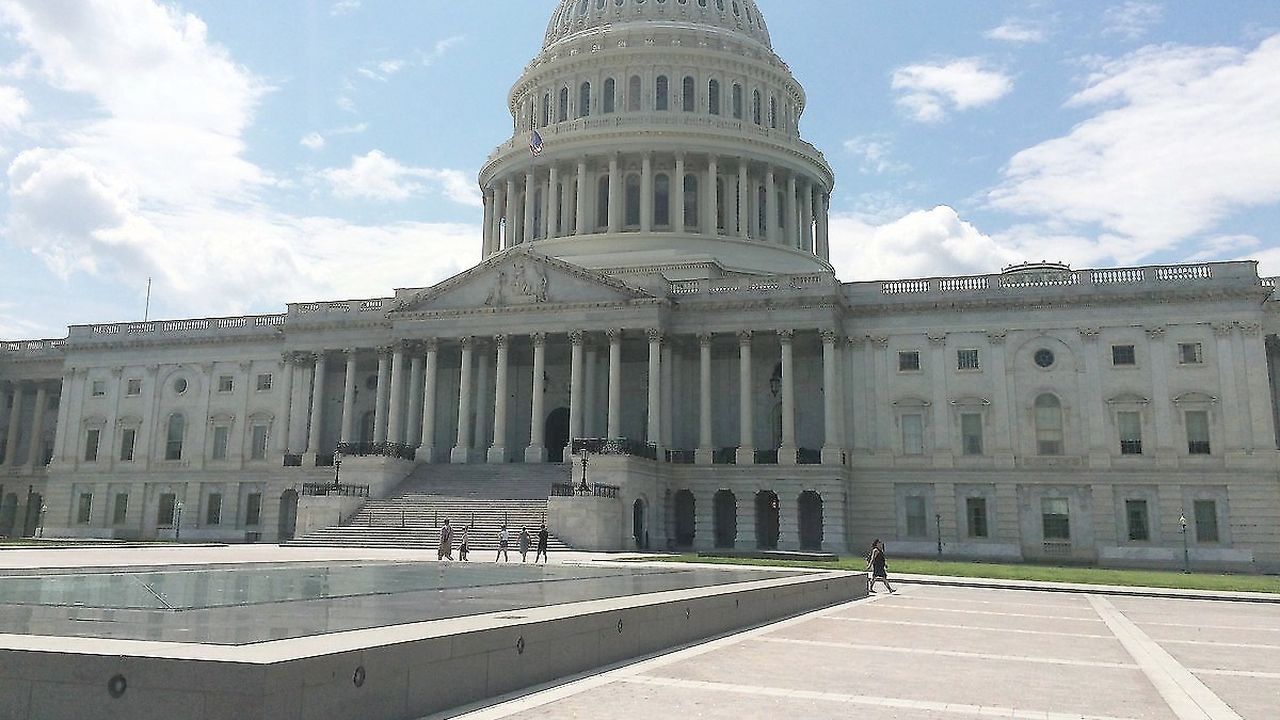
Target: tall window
908, 360
253, 509
1206, 512
221, 433
661, 91
85, 512
755, 106
1190, 354
762, 212
690, 95
713, 97
120, 512
173, 437
662, 200
737, 101
602, 202
546, 109
720, 198
773, 112
128, 440
975, 512
971, 433
633, 94
607, 102
967, 359
1130, 426
1055, 515
1048, 425
562, 111
917, 524
691, 201
1123, 355
1197, 432
213, 509
1135, 513
584, 100
633, 201
91, 444
165, 509
913, 434
258, 443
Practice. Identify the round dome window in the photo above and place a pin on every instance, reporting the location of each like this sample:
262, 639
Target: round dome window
1044, 357
180, 385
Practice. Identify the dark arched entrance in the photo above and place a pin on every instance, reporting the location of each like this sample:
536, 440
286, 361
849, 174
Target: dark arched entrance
556, 434
726, 516
809, 506
684, 518
8, 514
288, 515
34, 503
766, 520
639, 524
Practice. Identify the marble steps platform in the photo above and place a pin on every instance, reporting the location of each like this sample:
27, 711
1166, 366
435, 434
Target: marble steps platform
497, 481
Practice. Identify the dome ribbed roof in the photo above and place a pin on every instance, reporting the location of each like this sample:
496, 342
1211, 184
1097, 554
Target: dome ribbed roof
741, 17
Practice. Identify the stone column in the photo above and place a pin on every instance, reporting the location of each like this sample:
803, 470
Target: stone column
938, 363
822, 244
61, 430
568, 203
583, 196
380, 399
15, 414
1162, 407
590, 406
668, 391
286, 403
512, 233
498, 451
806, 218
770, 229
37, 420
426, 450
553, 205
575, 389
654, 434
646, 193
677, 195
529, 192
615, 383
787, 452
537, 451
831, 444
481, 399
413, 413
711, 223
615, 195
488, 221
742, 198
349, 399
395, 414
1233, 435
499, 212
746, 454
705, 451
317, 407
462, 448
789, 234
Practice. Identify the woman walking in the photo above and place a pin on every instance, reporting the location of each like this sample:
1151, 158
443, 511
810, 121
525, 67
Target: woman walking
524, 544
462, 546
878, 567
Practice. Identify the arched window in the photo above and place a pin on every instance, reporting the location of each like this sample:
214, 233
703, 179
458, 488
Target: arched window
773, 112
602, 203
1048, 425
632, 218
633, 94
691, 201
737, 101
755, 106
606, 102
713, 97
546, 109
584, 100
563, 110
662, 200
690, 94
660, 92
720, 203
762, 212
537, 213
174, 435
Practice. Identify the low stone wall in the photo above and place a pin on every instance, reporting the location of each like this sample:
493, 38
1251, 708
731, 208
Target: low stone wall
586, 522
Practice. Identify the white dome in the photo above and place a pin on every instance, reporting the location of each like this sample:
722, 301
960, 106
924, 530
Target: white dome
740, 17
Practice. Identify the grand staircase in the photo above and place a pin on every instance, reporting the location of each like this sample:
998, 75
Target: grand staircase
480, 497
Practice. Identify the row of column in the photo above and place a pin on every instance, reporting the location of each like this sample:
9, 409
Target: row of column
513, 215
14, 432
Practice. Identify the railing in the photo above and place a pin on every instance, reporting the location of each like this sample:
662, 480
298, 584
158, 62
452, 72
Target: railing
900, 287
1119, 276
335, 489
808, 456
293, 461
383, 449
614, 446
583, 490
682, 457
728, 286
340, 307
1057, 548
32, 346
182, 327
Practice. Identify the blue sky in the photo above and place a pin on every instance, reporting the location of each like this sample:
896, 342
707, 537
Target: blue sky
247, 154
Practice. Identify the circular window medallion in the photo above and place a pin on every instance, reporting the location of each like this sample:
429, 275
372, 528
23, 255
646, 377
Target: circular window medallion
1044, 357
180, 385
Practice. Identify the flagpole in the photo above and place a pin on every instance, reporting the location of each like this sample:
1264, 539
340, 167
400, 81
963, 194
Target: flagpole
146, 310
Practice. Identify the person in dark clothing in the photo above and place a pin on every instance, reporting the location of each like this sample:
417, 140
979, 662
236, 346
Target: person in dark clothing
878, 567
542, 545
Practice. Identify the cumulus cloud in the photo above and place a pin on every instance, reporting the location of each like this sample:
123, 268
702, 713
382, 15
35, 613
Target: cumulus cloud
919, 244
1182, 138
439, 50
875, 154
312, 141
374, 176
1018, 32
13, 107
1131, 19
343, 7
929, 92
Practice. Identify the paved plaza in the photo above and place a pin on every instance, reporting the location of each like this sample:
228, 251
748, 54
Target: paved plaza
929, 653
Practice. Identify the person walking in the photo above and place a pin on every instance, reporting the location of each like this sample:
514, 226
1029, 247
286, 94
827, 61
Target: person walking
524, 544
462, 546
543, 535
445, 551
878, 567
502, 545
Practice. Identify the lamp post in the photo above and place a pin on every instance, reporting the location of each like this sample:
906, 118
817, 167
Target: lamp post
40, 528
337, 466
583, 488
1186, 554
177, 520
937, 518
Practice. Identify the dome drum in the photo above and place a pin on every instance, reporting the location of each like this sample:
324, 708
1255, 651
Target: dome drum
739, 17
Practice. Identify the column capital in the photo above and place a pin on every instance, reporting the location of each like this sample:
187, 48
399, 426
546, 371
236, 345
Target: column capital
830, 337
654, 334
467, 342
745, 336
856, 341
1087, 334
350, 352
614, 334
410, 346
500, 341
386, 349
879, 340
704, 339
576, 337
1155, 332
1220, 329
937, 339
1249, 328
539, 339
786, 336
117, 371
431, 344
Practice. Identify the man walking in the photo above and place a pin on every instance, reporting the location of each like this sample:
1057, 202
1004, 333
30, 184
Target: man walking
502, 545
542, 545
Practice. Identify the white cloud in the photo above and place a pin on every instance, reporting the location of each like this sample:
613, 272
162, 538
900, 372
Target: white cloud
342, 7
381, 70
1131, 19
374, 176
13, 106
875, 154
312, 141
1015, 31
922, 243
930, 92
440, 49
1184, 137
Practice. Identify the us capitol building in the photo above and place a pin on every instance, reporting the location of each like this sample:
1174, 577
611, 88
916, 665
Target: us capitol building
655, 296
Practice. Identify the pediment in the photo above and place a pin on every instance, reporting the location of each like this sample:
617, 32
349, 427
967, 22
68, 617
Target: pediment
519, 277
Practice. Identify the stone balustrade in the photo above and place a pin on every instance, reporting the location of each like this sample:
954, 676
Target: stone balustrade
201, 327
32, 348
340, 307
771, 284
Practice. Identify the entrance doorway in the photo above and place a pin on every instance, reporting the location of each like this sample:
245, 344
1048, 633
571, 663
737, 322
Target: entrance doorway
8, 514
639, 526
34, 502
766, 520
726, 514
288, 515
810, 508
684, 519
556, 434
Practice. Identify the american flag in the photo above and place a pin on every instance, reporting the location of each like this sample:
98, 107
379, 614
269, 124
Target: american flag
535, 143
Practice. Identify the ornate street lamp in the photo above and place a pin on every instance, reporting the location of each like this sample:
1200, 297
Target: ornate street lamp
177, 520
937, 518
40, 528
337, 465
583, 488
1186, 554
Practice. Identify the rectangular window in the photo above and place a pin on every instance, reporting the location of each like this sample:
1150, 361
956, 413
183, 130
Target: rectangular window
221, 434
1129, 425
917, 524
975, 510
912, 434
213, 509
133, 387
264, 382
908, 361
226, 383
91, 445
1055, 514
128, 439
165, 511
1190, 354
85, 511
967, 359
1123, 355
253, 509
1197, 432
121, 511
971, 433
99, 388
1206, 521
1135, 512
258, 449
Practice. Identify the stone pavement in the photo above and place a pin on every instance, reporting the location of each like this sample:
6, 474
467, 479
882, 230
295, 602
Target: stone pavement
935, 652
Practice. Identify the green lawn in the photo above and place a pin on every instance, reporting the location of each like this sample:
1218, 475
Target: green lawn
1049, 573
